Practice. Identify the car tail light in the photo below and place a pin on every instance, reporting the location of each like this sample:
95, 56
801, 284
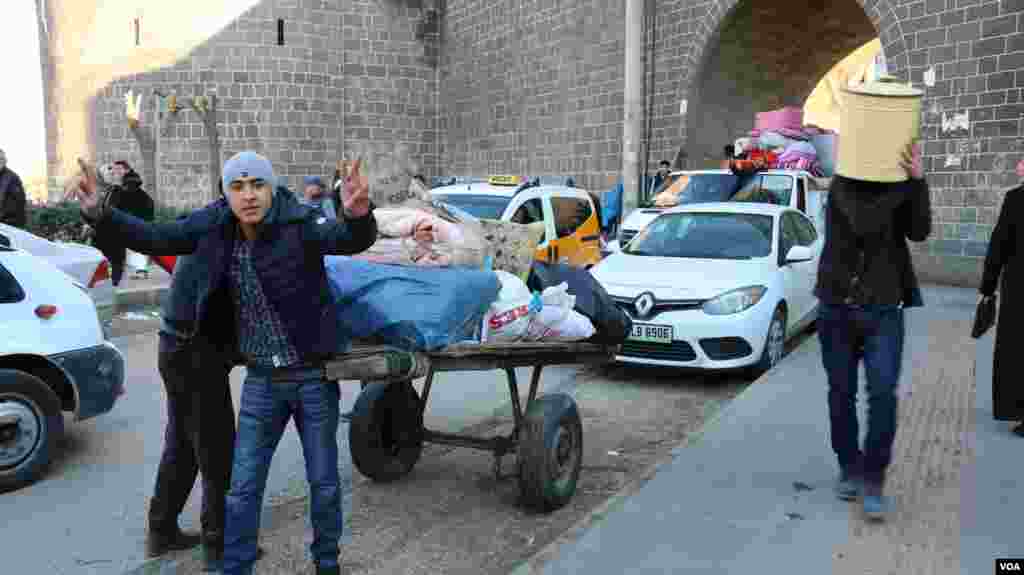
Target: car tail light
166, 262
46, 311
102, 273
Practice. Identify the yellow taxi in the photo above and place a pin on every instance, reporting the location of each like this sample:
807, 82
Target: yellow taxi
571, 215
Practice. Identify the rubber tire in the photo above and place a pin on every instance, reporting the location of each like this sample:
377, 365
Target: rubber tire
382, 412
763, 365
46, 405
539, 488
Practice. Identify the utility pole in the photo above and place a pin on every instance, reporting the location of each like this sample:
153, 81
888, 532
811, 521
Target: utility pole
632, 124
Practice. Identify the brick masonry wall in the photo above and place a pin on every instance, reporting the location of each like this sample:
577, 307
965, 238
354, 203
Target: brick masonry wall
349, 71
972, 122
533, 88
536, 87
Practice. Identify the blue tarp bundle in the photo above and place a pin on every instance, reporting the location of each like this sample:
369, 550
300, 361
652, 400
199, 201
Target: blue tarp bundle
414, 308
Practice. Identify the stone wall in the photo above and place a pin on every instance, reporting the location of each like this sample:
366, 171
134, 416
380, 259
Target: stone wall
348, 72
533, 88
536, 87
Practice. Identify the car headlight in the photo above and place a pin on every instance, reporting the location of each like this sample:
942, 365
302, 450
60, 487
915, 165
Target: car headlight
735, 301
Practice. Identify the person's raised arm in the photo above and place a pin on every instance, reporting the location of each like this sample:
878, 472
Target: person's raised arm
174, 238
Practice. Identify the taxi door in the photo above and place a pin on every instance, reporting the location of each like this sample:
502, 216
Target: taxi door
577, 232
529, 208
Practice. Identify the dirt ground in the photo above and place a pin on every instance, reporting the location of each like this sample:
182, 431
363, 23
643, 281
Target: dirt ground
451, 516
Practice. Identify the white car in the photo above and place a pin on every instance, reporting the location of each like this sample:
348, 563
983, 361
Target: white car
716, 286
53, 358
85, 264
794, 188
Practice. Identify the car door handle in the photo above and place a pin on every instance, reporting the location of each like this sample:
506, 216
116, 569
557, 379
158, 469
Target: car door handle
593, 238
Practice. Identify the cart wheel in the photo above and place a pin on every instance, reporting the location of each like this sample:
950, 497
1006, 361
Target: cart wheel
550, 452
385, 434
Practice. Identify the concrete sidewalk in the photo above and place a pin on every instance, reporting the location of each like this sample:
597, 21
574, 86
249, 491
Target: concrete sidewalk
135, 293
753, 493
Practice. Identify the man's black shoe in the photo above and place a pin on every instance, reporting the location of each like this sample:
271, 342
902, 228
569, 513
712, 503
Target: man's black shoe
158, 544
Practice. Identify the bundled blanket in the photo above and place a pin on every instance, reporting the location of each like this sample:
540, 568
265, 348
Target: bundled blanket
416, 237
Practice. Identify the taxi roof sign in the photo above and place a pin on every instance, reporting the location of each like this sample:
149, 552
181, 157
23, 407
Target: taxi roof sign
504, 180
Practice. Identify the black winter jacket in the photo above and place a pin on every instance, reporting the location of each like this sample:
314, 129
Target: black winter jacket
287, 255
866, 259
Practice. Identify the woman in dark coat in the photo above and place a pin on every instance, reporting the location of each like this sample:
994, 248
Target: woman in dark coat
1005, 259
127, 195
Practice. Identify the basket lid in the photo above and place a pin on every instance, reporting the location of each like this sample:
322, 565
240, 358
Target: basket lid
889, 86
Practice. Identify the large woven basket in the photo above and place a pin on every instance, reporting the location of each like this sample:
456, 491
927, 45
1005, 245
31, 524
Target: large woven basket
877, 121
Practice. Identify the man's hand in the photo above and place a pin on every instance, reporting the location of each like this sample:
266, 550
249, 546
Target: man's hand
87, 189
911, 161
355, 197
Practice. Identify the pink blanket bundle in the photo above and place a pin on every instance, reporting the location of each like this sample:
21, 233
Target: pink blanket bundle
789, 117
409, 236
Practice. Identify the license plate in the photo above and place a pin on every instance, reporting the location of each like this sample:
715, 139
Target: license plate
651, 333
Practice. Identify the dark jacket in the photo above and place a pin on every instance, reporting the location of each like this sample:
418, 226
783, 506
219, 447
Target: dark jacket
287, 256
131, 198
12, 200
866, 259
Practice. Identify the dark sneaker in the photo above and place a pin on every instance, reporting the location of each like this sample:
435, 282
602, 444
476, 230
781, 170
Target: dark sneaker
848, 486
158, 544
876, 504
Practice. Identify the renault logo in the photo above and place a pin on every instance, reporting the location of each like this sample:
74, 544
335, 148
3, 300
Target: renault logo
644, 303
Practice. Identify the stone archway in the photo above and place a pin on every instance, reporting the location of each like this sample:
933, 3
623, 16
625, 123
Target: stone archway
751, 56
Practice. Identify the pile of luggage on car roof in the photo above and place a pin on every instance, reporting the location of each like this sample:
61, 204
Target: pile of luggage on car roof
781, 141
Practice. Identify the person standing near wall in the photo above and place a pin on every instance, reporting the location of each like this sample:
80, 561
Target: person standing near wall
1005, 261
13, 204
314, 194
134, 200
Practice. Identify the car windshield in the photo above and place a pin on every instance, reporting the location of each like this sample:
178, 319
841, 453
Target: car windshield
705, 235
480, 206
766, 189
698, 188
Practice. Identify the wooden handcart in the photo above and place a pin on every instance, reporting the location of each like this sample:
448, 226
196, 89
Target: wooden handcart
387, 433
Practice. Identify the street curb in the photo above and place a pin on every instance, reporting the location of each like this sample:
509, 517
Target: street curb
140, 297
535, 564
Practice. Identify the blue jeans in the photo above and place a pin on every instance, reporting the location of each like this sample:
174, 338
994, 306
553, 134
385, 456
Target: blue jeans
266, 408
847, 334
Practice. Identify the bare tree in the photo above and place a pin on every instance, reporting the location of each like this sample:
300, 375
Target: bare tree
165, 111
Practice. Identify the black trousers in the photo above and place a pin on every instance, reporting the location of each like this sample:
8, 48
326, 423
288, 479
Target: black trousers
199, 438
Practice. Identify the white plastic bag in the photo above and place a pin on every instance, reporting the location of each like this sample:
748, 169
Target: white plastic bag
510, 315
557, 320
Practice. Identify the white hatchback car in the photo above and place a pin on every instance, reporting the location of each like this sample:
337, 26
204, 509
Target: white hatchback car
53, 358
86, 264
716, 286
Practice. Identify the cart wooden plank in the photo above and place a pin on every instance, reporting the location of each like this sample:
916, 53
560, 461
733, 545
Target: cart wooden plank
384, 363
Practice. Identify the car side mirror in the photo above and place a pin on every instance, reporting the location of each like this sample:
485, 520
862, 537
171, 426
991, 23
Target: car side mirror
798, 254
